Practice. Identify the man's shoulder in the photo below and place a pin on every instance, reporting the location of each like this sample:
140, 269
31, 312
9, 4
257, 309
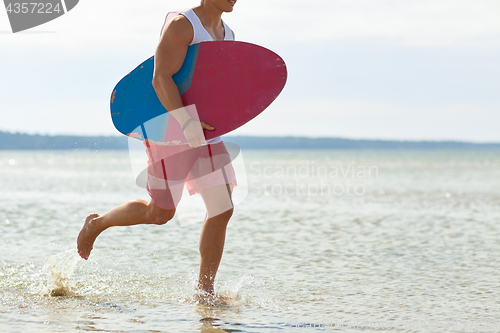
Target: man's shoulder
179, 22
179, 27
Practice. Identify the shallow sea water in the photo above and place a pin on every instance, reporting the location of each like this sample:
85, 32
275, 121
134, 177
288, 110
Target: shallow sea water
323, 241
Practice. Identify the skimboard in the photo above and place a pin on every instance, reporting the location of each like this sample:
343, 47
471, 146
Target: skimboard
228, 82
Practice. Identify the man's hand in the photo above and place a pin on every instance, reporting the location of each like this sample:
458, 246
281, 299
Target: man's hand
193, 131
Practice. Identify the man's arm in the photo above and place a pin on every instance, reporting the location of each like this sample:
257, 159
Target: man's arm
169, 57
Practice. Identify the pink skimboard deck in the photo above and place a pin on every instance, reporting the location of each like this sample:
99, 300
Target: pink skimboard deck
230, 83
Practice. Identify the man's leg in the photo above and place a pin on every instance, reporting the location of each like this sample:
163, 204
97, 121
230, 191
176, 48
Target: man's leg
131, 213
213, 234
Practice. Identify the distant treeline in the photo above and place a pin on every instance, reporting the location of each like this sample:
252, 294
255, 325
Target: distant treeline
18, 141
256, 142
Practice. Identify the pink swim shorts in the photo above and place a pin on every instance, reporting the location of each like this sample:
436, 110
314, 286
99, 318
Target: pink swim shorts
171, 167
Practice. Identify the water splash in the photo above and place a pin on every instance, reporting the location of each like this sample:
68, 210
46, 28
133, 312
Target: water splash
59, 269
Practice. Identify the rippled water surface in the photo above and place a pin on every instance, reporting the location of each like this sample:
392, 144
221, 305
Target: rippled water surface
408, 240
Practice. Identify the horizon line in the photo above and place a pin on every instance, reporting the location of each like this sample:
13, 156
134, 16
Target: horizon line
270, 137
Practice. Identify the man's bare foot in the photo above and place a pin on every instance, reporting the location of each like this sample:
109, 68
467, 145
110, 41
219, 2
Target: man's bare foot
213, 299
225, 300
87, 236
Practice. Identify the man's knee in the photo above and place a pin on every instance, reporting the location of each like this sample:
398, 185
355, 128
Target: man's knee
164, 217
229, 213
160, 216
222, 218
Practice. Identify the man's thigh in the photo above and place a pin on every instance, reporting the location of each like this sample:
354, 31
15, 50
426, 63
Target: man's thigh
217, 199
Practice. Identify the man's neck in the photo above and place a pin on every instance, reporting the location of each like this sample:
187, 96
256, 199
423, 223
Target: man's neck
209, 15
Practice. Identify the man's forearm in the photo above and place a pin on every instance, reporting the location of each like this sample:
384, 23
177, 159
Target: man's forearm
169, 96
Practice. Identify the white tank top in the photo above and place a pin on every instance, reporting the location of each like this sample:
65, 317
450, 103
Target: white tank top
200, 35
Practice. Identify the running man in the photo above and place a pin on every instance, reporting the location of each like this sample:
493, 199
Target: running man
203, 168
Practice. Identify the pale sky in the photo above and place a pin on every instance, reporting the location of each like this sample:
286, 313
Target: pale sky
377, 69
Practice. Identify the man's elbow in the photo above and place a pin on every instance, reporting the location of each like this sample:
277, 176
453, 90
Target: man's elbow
156, 81
159, 79
162, 81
